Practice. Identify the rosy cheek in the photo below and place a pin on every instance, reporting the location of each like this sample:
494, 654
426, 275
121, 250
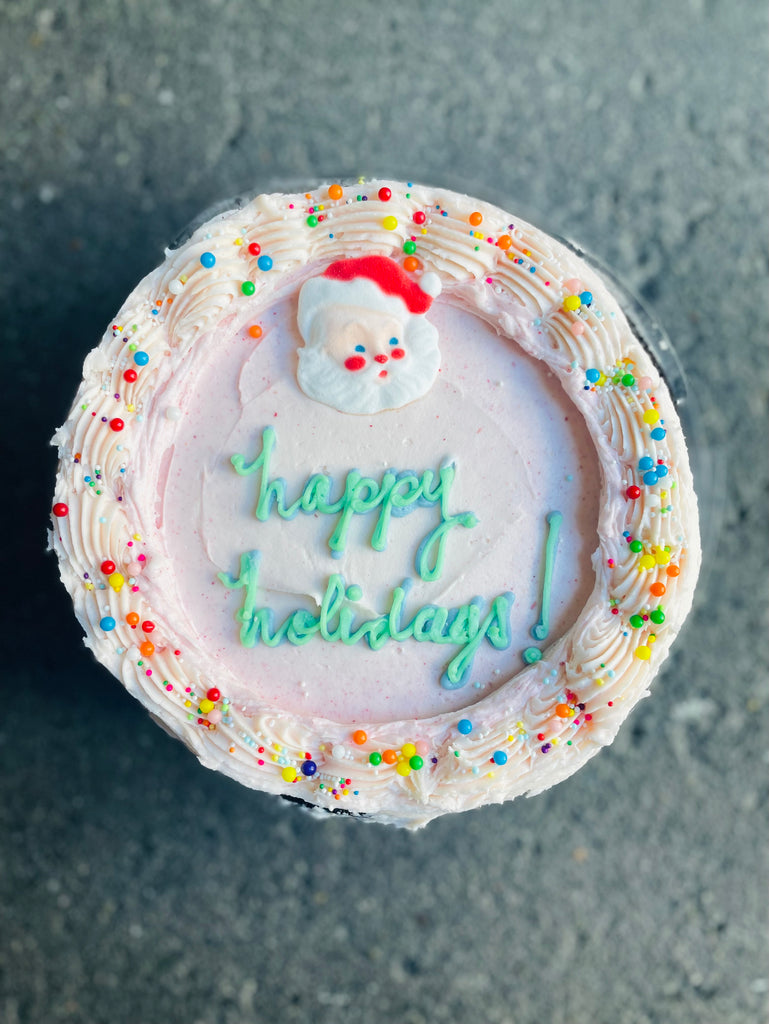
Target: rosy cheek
397, 353
355, 363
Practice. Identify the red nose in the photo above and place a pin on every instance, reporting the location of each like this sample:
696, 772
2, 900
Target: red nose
380, 359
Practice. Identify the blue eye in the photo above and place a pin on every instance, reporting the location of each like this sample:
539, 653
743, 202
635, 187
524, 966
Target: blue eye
393, 341
360, 348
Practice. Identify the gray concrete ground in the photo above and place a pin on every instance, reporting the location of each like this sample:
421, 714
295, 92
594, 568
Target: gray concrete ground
135, 886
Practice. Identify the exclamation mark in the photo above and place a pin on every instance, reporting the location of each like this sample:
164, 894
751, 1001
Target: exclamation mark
542, 627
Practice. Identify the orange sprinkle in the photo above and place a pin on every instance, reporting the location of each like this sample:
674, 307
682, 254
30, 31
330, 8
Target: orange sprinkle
334, 191
133, 619
411, 263
389, 757
504, 242
673, 570
359, 737
475, 218
147, 649
563, 711
658, 589
255, 331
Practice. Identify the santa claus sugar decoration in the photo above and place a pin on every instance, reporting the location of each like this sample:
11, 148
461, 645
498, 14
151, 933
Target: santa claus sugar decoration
368, 345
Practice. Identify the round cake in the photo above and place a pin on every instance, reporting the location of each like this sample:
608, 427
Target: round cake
373, 496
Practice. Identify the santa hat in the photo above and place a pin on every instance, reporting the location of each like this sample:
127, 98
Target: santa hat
391, 278
371, 282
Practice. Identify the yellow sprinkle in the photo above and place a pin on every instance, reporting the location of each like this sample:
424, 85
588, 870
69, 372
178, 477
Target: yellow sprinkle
403, 768
183, 279
554, 741
188, 703
424, 231
288, 773
137, 536
116, 580
238, 241
651, 416
572, 303
130, 407
662, 557
408, 750
345, 792
391, 223
206, 705
646, 562
598, 682
89, 586
275, 757
643, 652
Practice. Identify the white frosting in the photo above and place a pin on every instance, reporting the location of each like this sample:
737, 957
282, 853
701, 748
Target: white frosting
513, 407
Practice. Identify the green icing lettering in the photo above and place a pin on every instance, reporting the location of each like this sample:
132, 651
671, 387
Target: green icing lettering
360, 496
462, 627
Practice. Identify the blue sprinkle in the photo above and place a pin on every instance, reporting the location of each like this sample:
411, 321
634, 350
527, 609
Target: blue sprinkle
360, 348
532, 270
661, 471
465, 726
645, 463
309, 768
208, 260
658, 433
141, 358
593, 375
107, 623
499, 757
650, 479
264, 263
586, 298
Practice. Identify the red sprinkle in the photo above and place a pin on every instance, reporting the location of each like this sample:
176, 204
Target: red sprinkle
107, 567
385, 194
116, 424
130, 376
60, 510
633, 492
254, 248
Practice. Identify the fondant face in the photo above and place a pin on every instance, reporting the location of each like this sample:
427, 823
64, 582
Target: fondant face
365, 355
362, 341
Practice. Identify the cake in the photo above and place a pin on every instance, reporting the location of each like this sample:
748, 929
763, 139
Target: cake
375, 498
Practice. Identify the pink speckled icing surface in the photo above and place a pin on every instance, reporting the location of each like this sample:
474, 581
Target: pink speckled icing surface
520, 449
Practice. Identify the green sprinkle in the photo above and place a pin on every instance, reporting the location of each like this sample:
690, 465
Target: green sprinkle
248, 287
375, 758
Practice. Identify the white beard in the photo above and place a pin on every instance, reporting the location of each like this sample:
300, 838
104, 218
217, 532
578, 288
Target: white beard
324, 379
